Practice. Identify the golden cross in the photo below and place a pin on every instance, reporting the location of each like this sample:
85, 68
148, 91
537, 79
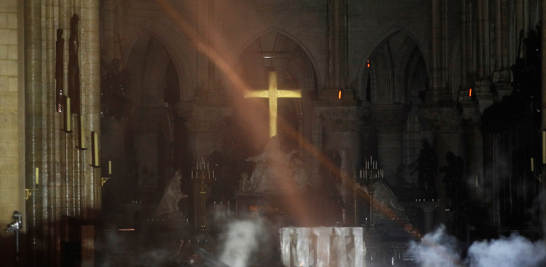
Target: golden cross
272, 93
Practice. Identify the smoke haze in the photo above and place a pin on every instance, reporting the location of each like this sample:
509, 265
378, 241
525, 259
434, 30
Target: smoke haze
439, 249
241, 242
512, 251
436, 249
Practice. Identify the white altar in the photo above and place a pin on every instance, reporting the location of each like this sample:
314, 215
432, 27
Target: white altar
322, 247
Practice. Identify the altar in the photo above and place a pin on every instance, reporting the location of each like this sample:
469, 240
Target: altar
322, 246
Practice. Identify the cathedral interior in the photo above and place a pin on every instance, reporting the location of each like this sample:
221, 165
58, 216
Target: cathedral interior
240, 133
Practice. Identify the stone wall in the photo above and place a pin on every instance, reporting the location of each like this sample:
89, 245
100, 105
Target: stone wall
11, 113
11, 123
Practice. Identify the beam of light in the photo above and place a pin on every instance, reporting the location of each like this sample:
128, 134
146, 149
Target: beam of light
339, 94
297, 205
470, 92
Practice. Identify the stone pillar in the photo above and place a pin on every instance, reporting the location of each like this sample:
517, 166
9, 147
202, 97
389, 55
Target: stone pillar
205, 126
464, 49
438, 91
12, 129
145, 131
390, 122
445, 123
341, 134
543, 110
474, 157
338, 52
337, 58
207, 29
501, 73
428, 212
69, 186
482, 83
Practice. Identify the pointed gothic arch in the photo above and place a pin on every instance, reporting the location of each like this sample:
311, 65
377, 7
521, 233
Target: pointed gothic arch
250, 41
149, 43
275, 49
158, 81
395, 66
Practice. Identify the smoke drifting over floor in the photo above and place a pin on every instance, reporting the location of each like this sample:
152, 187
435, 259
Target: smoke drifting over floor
241, 241
512, 251
439, 249
436, 249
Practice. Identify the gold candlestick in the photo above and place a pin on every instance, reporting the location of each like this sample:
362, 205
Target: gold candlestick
95, 150
67, 124
37, 175
543, 146
82, 134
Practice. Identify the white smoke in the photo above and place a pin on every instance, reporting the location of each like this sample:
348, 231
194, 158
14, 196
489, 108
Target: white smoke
436, 249
515, 251
439, 249
241, 242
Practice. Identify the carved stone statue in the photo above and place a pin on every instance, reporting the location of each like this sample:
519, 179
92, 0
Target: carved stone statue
455, 184
384, 197
73, 65
428, 170
168, 205
59, 68
276, 172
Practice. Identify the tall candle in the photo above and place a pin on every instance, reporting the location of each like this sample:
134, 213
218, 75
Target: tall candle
37, 175
110, 167
96, 149
543, 146
82, 133
68, 115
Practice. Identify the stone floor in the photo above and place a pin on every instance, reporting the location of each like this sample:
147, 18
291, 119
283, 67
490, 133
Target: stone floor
172, 244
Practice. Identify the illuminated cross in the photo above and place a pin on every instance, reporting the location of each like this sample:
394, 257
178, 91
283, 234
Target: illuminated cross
272, 93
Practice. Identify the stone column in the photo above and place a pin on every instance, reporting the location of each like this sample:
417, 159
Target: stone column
207, 28
474, 156
428, 212
390, 122
445, 123
337, 21
341, 126
543, 110
145, 129
12, 129
438, 91
338, 51
501, 74
68, 186
482, 83
205, 125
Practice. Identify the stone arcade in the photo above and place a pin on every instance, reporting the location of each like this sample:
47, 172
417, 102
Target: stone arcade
129, 135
